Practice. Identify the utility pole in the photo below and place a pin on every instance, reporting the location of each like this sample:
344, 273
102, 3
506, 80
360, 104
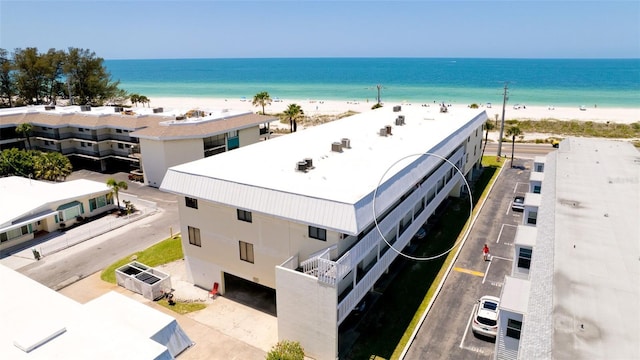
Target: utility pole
504, 104
379, 88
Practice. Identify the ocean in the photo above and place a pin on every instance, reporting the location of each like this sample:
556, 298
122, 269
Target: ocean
557, 82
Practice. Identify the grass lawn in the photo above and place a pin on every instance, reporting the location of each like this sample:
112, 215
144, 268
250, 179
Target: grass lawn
578, 128
392, 319
161, 253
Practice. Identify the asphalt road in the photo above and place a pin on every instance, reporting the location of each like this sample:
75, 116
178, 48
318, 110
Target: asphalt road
72, 264
521, 150
446, 332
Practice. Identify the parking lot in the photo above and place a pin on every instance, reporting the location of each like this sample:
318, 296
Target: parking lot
446, 331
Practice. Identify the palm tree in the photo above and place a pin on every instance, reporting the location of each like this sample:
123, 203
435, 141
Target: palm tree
293, 112
513, 131
144, 100
52, 166
263, 99
488, 126
135, 99
25, 129
116, 186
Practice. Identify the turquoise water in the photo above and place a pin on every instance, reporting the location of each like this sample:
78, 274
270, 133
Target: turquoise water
558, 82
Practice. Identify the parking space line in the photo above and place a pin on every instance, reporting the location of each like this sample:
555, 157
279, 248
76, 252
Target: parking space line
467, 271
486, 272
499, 257
500, 233
466, 329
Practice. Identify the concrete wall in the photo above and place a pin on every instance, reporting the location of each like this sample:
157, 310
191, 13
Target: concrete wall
473, 148
158, 156
249, 136
274, 240
307, 312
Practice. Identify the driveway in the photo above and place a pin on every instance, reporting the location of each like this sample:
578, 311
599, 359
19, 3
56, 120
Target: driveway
446, 331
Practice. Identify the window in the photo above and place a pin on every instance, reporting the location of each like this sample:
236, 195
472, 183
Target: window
232, 134
246, 252
194, 236
532, 217
536, 189
513, 328
120, 146
92, 204
244, 215
119, 131
80, 129
317, 233
3, 237
83, 144
419, 207
524, 258
191, 202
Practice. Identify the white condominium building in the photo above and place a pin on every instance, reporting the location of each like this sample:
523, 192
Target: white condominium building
296, 213
575, 283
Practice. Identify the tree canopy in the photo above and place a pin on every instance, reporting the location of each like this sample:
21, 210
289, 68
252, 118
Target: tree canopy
51, 166
293, 112
33, 77
263, 99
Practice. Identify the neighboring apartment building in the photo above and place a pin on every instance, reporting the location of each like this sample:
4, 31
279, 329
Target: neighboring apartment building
30, 207
574, 288
143, 140
296, 213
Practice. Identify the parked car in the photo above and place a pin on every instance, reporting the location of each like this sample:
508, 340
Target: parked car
485, 320
516, 106
421, 234
518, 203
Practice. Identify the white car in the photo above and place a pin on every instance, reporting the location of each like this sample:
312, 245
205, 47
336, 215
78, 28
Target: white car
518, 203
485, 320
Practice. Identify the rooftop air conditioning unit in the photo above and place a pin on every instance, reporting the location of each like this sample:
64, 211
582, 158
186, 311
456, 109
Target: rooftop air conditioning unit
336, 146
397, 108
398, 121
302, 166
401, 118
158, 110
346, 143
309, 162
388, 128
118, 109
383, 131
85, 107
50, 107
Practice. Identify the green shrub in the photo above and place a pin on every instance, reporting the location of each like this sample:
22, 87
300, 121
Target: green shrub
286, 350
474, 106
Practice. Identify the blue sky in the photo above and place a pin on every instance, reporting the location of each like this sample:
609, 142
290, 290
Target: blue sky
152, 29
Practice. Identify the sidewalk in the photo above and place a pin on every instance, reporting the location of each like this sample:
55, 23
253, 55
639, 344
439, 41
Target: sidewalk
51, 243
223, 330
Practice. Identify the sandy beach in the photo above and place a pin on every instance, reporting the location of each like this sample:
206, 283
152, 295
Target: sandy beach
333, 107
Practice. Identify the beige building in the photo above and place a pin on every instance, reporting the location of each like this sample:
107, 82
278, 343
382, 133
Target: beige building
114, 138
33, 207
296, 213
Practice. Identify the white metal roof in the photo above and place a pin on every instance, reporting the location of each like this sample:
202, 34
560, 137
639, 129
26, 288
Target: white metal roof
531, 199
29, 197
33, 314
515, 295
337, 192
526, 235
536, 176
